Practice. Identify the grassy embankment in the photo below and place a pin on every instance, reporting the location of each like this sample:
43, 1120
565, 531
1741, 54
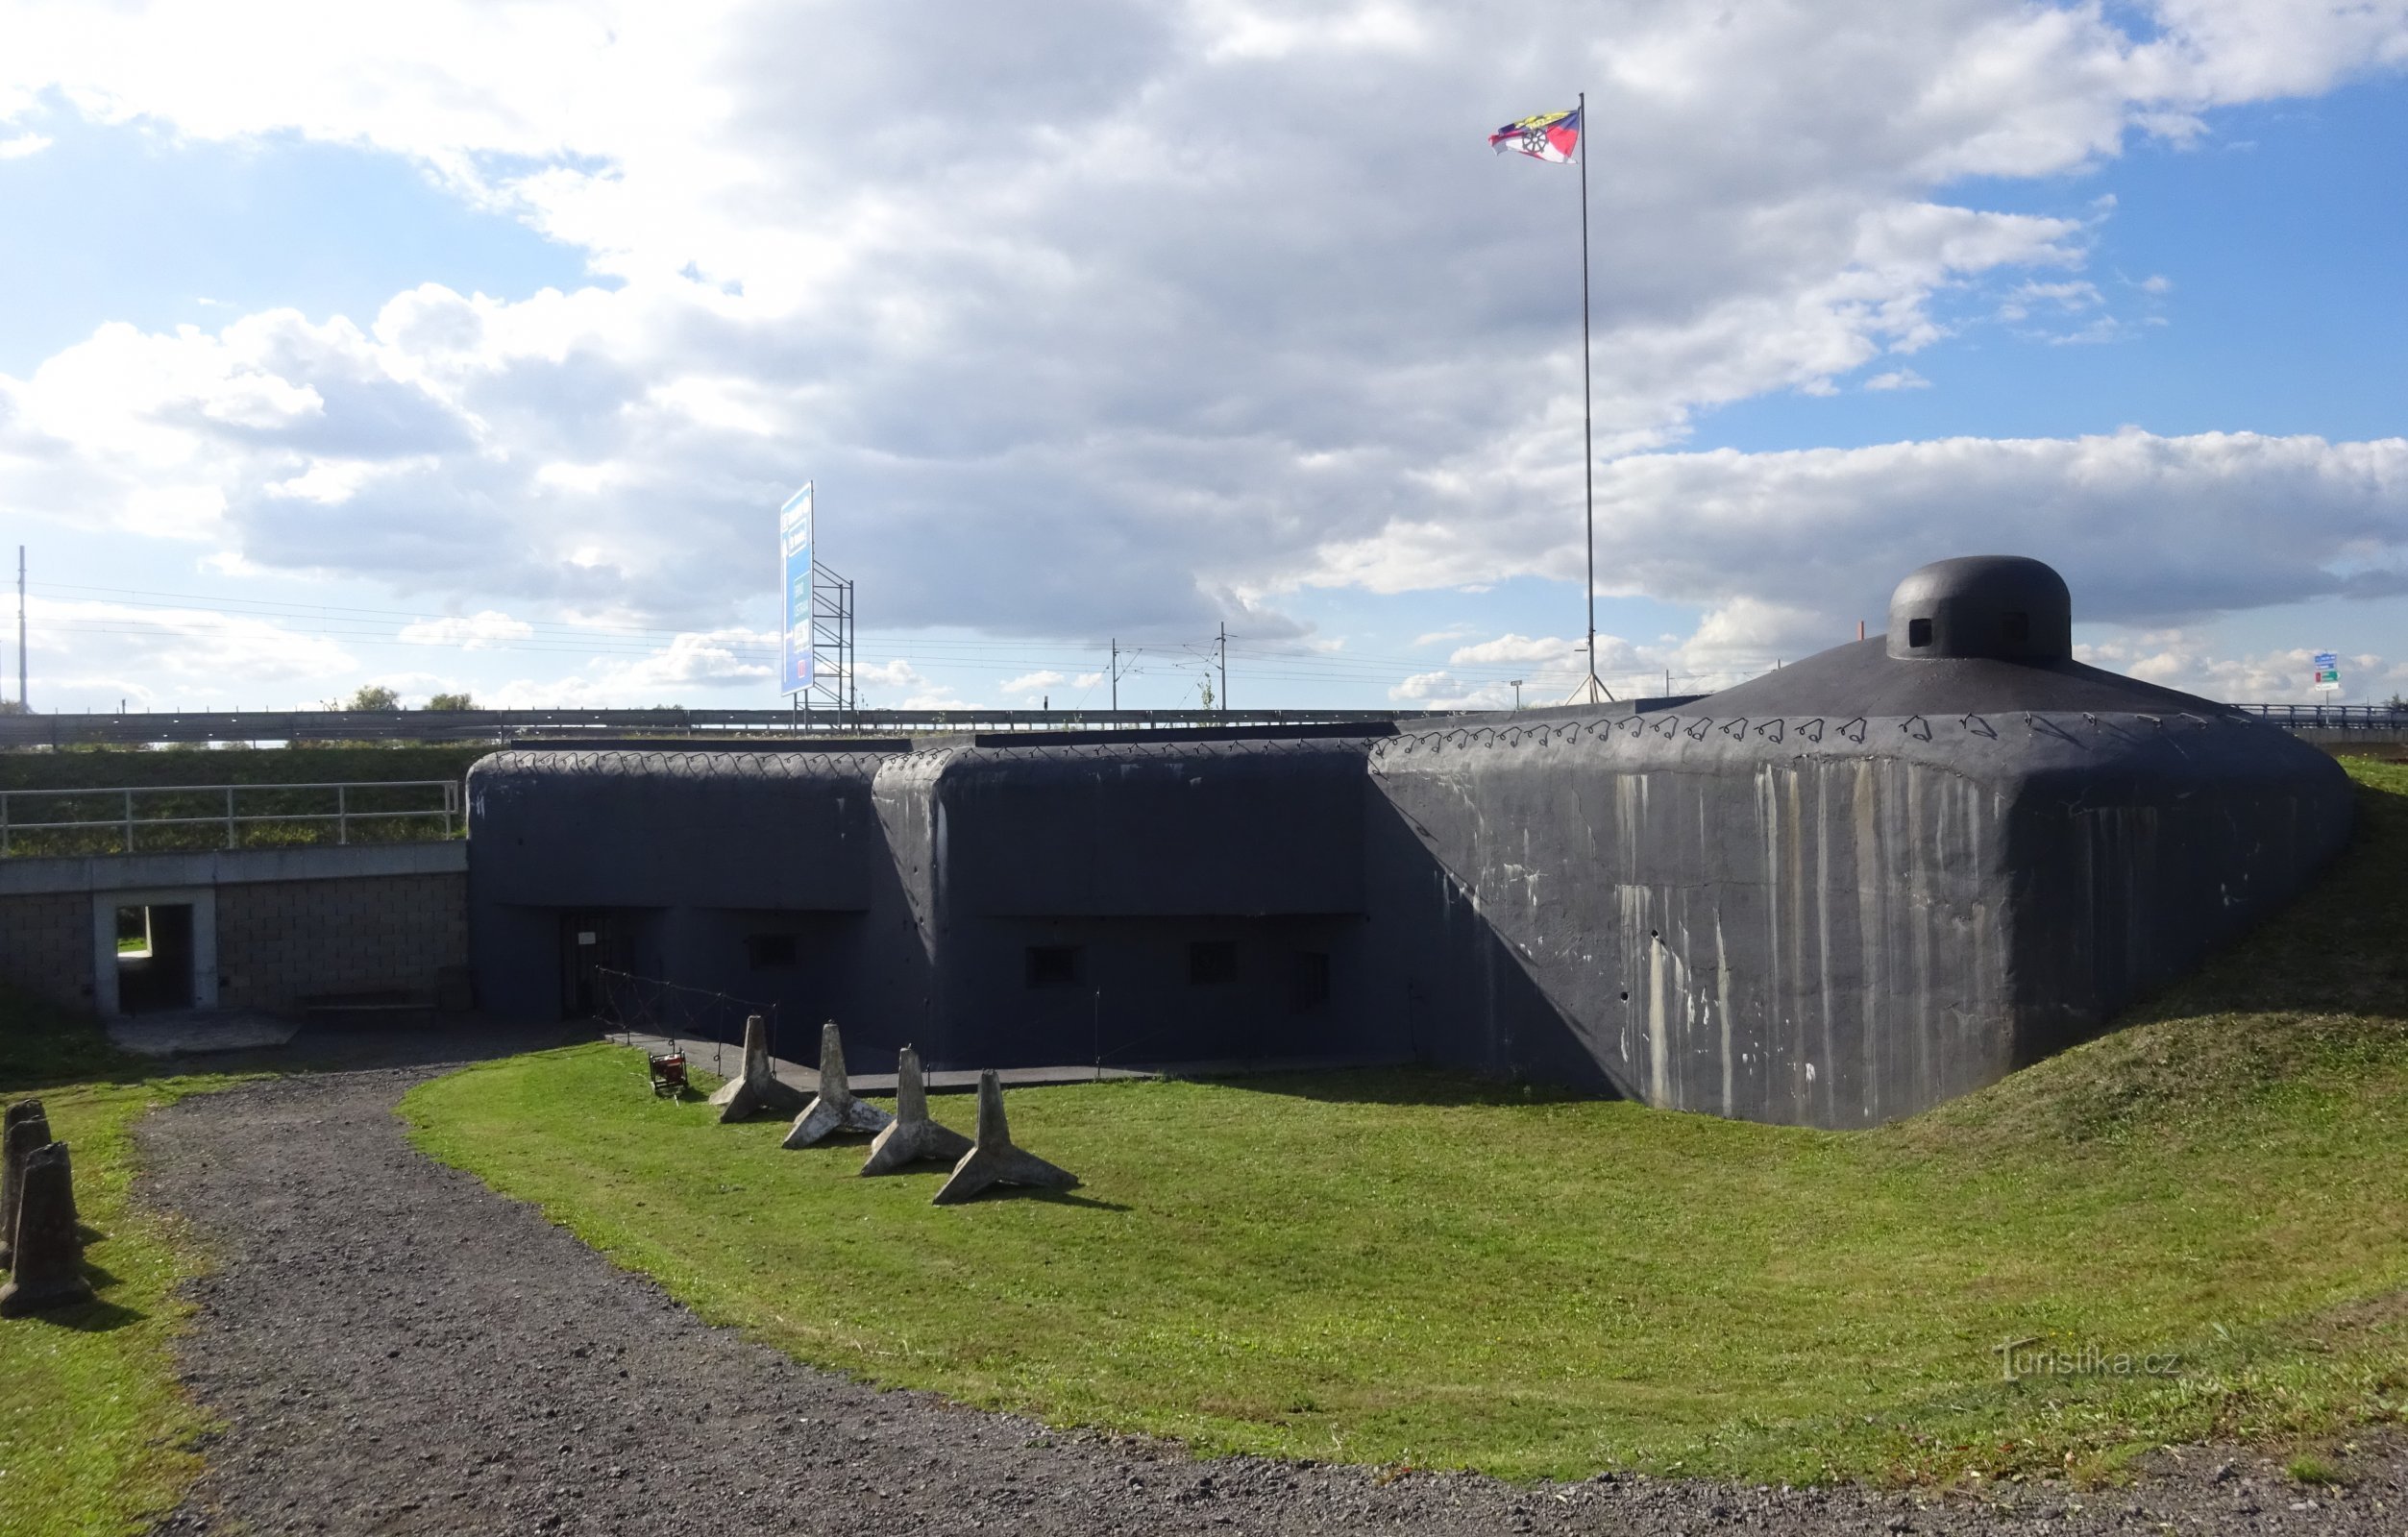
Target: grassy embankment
1415, 1267
268, 768
96, 1434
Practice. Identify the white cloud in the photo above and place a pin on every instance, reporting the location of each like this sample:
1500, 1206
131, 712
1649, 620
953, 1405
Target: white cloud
18, 146
1034, 682
1121, 325
1517, 649
717, 659
1901, 378
2144, 527
914, 688
2183, 659
470, 632
90, 654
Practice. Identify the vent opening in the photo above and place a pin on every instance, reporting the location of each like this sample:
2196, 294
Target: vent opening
1052, 965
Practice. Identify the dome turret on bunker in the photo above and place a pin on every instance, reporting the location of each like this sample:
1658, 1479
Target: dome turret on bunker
2010, 608
1972, 634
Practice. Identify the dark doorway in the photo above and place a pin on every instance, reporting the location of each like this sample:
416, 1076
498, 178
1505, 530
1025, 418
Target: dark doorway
591, 942
154, 958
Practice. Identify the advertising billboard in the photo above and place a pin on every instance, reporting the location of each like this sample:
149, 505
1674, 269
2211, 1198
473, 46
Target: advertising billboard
794, 548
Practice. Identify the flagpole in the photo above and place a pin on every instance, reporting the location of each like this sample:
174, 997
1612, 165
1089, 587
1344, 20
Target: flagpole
1588, 439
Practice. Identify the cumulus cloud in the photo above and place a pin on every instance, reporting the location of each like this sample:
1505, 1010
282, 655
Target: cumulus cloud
1086, 307
88, 655
2183, 659
665, 674
470, 632
2146, 529
1033, 682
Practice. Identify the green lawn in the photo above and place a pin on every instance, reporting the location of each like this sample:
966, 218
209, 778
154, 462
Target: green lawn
1416, 1267
96, 1434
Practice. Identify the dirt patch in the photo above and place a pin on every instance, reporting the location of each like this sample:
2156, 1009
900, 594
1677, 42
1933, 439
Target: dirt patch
397, 1350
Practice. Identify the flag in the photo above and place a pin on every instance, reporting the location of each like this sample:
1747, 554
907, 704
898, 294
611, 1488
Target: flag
1548, 136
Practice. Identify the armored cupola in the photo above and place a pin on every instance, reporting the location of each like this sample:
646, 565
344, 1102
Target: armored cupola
2008, 608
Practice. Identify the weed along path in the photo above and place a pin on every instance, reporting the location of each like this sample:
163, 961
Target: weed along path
393, 1348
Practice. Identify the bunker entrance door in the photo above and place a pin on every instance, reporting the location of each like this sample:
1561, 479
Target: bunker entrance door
154, 958
590, 942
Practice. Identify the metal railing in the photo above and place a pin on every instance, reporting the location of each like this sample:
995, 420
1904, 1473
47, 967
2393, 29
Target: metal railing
2329, 716
502, 726
129, 816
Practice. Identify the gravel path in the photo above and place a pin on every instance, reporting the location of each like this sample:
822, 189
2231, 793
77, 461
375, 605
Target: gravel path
395, 1349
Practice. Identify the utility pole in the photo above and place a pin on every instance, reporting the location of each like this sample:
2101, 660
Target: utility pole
21, 703
1224, 669
1115, 673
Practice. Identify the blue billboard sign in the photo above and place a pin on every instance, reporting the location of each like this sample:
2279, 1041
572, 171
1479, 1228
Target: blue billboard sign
794, 546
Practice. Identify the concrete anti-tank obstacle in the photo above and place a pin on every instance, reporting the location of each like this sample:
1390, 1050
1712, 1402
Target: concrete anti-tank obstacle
26, 1114
913, 1138
49, 1250
992, 1159
756, 1089
836, 1110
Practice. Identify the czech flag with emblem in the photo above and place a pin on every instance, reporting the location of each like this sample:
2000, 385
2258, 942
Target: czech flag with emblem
1554, 137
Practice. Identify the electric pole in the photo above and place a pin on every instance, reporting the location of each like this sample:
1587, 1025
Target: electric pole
21, 703
1224, 669
1115, 673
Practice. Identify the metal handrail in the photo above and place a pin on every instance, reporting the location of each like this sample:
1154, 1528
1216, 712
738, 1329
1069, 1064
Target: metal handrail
126, 821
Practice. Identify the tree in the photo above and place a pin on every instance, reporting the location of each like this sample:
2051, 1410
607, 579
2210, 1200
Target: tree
452, 701
374, 697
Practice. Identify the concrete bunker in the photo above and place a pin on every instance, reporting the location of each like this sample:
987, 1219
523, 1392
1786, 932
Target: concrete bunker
1839, 893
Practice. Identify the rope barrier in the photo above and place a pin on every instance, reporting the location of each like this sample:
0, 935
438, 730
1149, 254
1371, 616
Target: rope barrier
629, 1006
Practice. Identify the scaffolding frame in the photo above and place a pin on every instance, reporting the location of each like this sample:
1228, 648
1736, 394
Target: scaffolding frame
833, 685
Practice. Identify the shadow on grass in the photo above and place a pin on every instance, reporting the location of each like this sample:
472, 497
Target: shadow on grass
1055, 1198
46, 1045
1435, 1086
99, 1317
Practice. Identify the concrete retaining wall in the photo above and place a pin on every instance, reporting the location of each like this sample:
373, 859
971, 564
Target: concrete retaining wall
280, 944
46, 945
272, 928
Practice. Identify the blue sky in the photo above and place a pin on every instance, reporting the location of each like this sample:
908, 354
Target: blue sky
485, 366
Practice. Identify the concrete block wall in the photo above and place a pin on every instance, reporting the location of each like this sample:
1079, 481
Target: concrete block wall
285, 941
46, 945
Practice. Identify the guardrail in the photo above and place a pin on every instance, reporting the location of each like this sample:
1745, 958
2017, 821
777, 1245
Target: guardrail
502, 726
130, 816
2329, 716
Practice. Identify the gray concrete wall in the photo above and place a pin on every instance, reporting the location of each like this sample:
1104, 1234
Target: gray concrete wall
1837, 923
1756, 912
46, 945
273, 927
284, 942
